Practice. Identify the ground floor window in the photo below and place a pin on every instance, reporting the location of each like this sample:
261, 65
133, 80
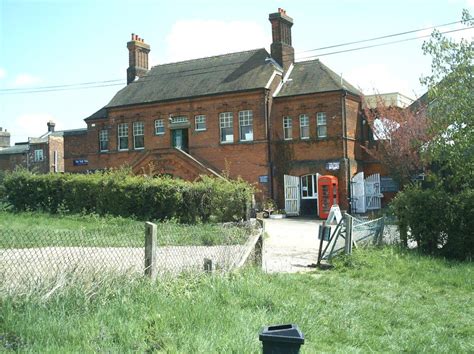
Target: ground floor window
287, 128
226, 127
123, 136
138, 135
246, 125
104, 140
39, 155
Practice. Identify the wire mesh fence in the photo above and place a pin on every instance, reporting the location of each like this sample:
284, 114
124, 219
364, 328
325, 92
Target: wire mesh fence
32, 255
353, 231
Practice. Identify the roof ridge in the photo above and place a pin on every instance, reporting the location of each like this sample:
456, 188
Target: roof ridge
209, 57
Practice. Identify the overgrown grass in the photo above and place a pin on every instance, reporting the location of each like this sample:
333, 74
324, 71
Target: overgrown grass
34, 229
379, 300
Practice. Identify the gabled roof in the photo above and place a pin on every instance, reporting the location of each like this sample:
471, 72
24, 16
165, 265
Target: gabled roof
313, 77
233, 72
100, 114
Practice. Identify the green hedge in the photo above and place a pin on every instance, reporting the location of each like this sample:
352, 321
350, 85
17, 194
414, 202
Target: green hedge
117, 193
441, 223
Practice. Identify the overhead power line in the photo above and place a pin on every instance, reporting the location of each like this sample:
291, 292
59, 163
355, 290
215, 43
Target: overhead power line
199, 71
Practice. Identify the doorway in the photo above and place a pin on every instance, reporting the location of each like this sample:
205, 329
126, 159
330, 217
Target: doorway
180, 139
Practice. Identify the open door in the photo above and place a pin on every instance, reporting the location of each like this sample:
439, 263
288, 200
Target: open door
292, 195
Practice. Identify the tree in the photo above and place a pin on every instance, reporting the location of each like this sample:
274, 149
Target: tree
451, 112
399, 136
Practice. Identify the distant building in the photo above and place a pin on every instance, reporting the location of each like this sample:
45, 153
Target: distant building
392, 99
43, 154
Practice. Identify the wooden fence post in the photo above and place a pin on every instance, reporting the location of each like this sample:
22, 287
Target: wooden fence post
151, 267
348, 243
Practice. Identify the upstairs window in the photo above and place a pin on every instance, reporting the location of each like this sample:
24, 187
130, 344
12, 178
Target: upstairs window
159, 127
200, 123
322, 125
226, 127
304, 126
39, 155
123, 136
104, 140
287, 128
246, 125
138, 135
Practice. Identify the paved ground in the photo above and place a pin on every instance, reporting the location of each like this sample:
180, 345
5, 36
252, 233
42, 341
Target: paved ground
291, 244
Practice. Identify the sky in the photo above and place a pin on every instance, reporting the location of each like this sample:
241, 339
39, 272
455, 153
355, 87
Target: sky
46, 43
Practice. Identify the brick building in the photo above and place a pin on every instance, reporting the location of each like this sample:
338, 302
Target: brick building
43, 154
252, 114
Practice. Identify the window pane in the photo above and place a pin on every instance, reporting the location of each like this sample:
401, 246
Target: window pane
322, 127
246, 125
226, 127
200, 122
104, 140
159, 127
304, 126
287, 128
123, 136
138, 135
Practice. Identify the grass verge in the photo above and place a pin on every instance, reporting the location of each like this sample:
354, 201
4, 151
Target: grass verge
34, 229
378, 300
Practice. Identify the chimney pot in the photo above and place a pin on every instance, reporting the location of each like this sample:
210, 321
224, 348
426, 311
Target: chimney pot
133, 34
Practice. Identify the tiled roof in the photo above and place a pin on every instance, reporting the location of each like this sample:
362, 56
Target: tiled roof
206, 76
313, 77
101, 113
15, 149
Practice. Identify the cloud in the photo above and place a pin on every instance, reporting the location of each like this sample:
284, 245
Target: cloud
198, 38
3, 73
26, 80
32, 124
378, 78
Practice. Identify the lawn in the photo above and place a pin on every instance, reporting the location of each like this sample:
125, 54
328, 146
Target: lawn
380, 300
33, 229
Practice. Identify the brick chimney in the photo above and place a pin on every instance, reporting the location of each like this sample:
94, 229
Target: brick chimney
281, 48
4, 138
137, 58
51, 126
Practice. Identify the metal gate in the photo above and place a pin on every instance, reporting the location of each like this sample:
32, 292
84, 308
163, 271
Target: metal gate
365, 193
292, 195
373, 197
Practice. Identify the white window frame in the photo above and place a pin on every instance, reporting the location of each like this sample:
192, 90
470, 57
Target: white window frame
159, 127
39, 156
104, 138
226, 121
122, 133
287, 128
246, 120
138, 131
200, 123
305, 181
321, 122
304, 126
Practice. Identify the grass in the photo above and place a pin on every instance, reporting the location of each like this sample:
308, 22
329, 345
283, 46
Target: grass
380, 300
34, 229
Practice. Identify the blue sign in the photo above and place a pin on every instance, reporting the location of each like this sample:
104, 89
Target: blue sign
387, 184
263, 179
80, 162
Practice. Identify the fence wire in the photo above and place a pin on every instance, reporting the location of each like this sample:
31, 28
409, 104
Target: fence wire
31, 256
364, 232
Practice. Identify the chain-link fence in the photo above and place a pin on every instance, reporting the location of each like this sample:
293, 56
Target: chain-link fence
30, 256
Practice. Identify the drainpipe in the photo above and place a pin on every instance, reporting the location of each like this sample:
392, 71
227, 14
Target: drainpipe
344, 147
268, 132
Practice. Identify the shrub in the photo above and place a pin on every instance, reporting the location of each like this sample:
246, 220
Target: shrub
121, 194
440, 222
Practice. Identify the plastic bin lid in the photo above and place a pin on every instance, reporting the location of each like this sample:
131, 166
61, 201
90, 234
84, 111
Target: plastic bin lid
288, 333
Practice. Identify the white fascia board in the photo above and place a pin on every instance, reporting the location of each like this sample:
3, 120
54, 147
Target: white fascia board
275, 73
285, 79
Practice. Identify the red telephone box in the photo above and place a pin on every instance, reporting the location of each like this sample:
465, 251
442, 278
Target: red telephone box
328, 194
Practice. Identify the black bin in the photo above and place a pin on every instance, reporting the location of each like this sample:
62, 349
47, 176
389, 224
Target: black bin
278, 339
